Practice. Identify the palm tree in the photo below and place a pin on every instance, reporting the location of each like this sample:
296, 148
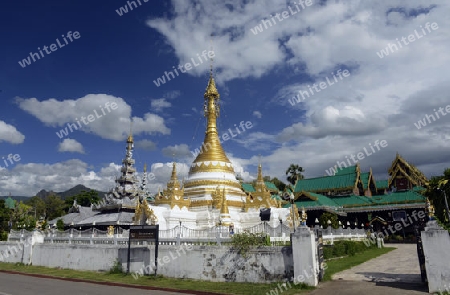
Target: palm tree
294, 172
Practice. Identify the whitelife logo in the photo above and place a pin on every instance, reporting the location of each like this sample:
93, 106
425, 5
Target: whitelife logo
35, 56
361, 156
225, 136
285, 14
296, 99
183, 69
423, 123
411, 38
90, 118
122, 10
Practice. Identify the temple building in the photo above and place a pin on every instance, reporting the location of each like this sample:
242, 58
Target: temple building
212, 195
121, 206
361, 201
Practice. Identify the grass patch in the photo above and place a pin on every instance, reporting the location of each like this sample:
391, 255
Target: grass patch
159, 281
337, 265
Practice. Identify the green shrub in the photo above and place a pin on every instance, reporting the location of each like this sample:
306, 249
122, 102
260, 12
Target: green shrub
60, 224
343, 248
327, 251
116, 268
3, 236
244, 241
339, 249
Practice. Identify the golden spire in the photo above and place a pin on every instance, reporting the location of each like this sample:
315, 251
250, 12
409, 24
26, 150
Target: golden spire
211, 149
174, 172
260, 176
211, 89
145, 167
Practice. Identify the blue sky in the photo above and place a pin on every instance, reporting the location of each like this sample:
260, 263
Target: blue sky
117, 58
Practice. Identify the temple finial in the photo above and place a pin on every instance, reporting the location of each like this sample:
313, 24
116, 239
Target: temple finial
211, 60
130, 135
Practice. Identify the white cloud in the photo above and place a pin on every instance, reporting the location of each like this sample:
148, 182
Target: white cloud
380, 100
145, 144
70, 145
159, 104
257, 114
177, 151
28, 179
9, 133
108, 123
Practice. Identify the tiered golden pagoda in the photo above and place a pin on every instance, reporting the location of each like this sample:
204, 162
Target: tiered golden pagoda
173, 195
261, 197
212, 168
211, 194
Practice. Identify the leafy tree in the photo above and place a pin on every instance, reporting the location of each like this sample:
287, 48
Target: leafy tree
37, 205
5, 215
22, 217
436, 196
323, 220
84, 199
294, 172
54, 207
278, 183
60, 224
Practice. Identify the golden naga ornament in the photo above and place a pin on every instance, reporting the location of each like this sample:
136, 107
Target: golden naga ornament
110, 231
294, 218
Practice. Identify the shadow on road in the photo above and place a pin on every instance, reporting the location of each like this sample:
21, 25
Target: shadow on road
392, 277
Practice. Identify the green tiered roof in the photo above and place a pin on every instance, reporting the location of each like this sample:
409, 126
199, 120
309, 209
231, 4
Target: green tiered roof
346, 170
326, 183
382, 184
365, 177
248, 187
399, 198
270, 186
352, 203
351, 200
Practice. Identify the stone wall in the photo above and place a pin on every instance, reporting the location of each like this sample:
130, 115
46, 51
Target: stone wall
216, 263
210, 263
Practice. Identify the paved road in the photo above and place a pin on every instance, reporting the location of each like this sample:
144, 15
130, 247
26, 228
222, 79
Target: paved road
396, 273
14, 284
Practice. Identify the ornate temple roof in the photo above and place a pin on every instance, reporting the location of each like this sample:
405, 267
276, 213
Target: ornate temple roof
127, 191
308, 191
401, 168
353, 203
327, 183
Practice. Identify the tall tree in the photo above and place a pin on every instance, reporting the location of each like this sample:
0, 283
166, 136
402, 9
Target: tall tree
84, 199
23, 217
54, 207
294, 172
38, 206
5, 215
435, 193
278, 183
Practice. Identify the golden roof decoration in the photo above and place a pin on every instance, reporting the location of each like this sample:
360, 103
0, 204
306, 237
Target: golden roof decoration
211, 89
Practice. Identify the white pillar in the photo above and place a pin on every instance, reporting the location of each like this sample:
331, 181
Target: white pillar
304, 250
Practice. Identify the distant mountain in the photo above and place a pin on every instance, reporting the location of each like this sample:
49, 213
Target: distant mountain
68, 193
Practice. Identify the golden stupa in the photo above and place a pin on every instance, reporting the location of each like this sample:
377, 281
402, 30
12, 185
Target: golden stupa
211, 189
